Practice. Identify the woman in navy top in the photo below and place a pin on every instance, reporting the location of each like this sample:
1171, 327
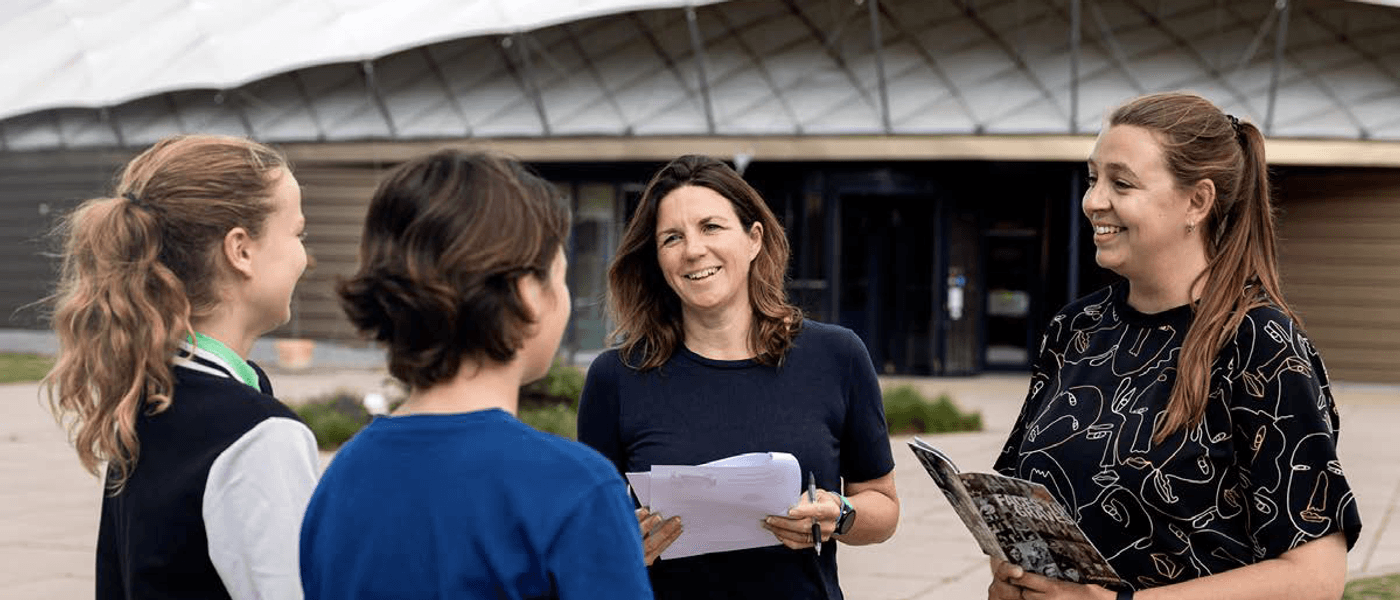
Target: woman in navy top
713, 361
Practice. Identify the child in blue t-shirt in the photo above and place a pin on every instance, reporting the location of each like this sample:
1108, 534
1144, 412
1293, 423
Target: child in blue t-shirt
461, 278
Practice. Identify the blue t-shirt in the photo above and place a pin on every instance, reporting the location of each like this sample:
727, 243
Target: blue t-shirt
823, 405
471, 505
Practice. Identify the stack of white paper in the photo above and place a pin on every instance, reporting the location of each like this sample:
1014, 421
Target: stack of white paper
721, 504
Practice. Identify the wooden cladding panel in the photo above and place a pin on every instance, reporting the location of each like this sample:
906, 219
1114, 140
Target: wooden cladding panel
334, 201
1340, 260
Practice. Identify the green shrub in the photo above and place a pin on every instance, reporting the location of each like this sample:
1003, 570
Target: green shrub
559, 419
907, 411
562, 382
334, 418
550, 405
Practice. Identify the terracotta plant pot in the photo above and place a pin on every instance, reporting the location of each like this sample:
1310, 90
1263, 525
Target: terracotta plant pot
294, 354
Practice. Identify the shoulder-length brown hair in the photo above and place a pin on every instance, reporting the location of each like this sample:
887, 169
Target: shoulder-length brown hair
445, 238
1200, 142
648, 312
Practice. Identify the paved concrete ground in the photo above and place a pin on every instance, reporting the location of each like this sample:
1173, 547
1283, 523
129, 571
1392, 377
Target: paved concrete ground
49, 506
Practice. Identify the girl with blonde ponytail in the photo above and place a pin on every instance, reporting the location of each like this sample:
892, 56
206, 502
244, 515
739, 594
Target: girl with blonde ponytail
163, 288
1181, 416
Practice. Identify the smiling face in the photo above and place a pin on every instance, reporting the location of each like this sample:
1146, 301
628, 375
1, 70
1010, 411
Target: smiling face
704, 251
278, 255
1138, 212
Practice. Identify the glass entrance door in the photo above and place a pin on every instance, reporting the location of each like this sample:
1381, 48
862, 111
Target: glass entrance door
887, 272
1010, 275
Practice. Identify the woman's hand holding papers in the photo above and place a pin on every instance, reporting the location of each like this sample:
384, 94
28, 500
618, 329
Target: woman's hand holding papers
657, 534
795, 530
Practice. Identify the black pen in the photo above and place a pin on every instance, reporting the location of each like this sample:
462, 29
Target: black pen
816, 525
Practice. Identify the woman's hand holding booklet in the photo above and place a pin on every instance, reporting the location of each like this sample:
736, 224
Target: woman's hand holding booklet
1018, 521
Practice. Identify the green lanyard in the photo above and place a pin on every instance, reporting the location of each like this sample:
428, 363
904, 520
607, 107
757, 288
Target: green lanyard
241, 369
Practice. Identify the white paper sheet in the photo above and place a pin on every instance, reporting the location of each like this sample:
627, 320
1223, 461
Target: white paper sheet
641, 486
721, 503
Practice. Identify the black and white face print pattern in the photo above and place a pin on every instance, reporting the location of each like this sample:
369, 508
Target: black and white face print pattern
1256, 477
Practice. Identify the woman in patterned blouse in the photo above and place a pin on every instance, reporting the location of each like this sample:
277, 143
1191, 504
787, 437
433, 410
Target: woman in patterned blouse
1181, 416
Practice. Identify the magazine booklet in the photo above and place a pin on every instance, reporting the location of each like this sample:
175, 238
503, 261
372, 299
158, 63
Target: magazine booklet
1018, 521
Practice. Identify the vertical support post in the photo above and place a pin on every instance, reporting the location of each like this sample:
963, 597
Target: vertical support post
372, 83
1280, 44
310, 104
697, 46
105, 115
1076, 16
877, 41
1076, 224
58, 129
532, 86
831, 203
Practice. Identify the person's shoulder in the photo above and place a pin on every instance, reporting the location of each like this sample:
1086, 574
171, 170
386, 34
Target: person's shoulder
820, 333
608, 364
1268, 325
226, 400
612, 357
1270, 313
824, 345
569, 460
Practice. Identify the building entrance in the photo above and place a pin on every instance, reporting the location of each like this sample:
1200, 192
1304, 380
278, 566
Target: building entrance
887, 278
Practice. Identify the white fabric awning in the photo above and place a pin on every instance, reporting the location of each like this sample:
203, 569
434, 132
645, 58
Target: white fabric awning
95, 53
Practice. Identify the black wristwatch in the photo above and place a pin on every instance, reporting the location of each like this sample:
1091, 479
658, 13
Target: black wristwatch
847, 520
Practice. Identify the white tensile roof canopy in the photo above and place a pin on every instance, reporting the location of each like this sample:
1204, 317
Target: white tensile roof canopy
95, 53
83, 74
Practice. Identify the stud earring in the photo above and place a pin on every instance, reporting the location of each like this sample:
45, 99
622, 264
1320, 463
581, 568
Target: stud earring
1190, 227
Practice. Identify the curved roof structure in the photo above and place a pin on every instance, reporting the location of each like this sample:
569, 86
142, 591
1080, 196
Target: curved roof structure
1305, 69
95, 53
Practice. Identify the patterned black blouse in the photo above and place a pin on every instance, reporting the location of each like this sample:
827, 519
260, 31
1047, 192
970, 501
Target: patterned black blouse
1258, 477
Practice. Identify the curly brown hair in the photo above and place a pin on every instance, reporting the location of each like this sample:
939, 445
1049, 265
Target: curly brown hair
648, 312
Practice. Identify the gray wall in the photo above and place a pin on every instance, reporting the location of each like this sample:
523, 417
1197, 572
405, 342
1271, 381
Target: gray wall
35, 189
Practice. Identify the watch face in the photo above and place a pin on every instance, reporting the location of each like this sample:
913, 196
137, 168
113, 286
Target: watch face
847, 518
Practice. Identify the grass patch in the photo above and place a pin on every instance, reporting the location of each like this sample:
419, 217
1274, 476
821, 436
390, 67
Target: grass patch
1374, 588
16, 368
907, 411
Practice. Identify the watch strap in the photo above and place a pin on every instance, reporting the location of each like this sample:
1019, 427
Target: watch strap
848, 512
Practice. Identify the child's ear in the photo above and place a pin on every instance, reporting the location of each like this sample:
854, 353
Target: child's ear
237, 248
530, 288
